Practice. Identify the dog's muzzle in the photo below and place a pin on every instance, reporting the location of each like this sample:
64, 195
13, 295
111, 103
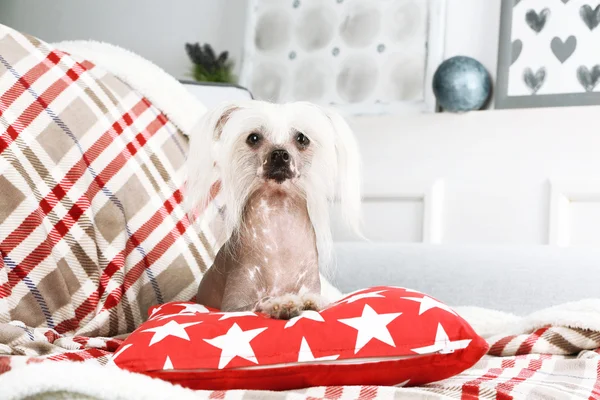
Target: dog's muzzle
278, 166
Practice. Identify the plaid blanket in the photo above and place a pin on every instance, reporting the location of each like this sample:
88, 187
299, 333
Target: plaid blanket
92, 234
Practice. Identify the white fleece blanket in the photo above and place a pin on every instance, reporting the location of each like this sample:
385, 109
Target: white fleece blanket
47, 380
584, 314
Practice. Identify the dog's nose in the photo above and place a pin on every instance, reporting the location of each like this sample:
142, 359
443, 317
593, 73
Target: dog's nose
280, 157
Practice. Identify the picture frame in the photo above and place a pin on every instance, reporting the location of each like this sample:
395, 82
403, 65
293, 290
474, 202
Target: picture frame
254, 60
547, 54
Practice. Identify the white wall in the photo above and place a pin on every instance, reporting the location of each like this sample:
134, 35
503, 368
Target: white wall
158, 29
472, 29
526, 177
155, 29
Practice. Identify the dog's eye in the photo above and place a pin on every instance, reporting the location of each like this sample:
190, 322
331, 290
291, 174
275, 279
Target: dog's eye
253, 139
302, 140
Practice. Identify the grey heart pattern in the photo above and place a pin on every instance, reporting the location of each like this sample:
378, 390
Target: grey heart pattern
516, 2
534, 81
517, 47
590, 16
563, 50
565, 1
588, 79
536, 21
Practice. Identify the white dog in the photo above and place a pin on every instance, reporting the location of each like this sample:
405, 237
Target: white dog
280, 167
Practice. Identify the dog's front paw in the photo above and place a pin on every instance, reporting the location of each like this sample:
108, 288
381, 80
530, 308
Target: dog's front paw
282, 307
313, 302
290, 305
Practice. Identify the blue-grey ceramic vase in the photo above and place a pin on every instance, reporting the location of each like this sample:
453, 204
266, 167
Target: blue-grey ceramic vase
461, 84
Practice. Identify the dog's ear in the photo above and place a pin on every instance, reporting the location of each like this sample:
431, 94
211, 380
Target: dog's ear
348, 177
202, 171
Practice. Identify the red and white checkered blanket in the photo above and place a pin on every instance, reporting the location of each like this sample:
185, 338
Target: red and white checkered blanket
92, 234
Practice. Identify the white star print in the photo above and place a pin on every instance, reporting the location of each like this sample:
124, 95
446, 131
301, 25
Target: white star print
236, 314
305, 354
157, 309
193, 309
171, 328
361, 296
190, 309
168, 363
161, 317
443, 344
405, 289
371, 325
427, 303
315, 316
118, 353
235, 342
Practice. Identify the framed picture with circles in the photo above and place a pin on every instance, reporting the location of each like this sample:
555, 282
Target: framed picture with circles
361, 56
549, 54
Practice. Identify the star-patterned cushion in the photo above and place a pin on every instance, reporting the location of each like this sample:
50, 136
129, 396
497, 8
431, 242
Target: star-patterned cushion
379, 336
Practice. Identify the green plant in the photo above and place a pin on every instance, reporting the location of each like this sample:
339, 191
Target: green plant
207, 67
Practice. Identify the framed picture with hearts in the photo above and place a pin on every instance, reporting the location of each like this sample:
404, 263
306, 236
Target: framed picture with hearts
548, 54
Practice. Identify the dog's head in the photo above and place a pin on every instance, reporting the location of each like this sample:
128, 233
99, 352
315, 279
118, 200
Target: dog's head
298, 146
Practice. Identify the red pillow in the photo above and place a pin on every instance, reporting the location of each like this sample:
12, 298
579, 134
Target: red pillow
380, 336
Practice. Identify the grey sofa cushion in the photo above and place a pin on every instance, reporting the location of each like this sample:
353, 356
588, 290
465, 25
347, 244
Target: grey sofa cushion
512, 279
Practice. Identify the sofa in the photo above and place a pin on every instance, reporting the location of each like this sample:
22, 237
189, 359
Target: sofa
93, 234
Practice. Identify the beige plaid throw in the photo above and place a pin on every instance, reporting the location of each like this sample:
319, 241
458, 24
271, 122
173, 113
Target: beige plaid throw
92, 231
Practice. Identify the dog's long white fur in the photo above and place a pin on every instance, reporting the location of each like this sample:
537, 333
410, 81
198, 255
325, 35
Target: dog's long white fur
333, 175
